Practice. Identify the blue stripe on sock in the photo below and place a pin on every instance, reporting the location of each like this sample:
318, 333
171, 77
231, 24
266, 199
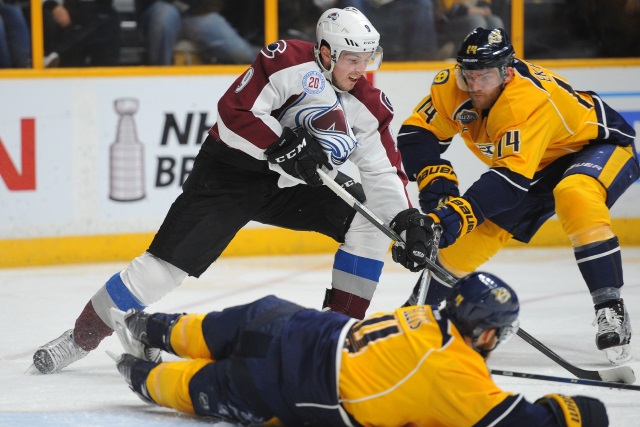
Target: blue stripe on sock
120, 294
358, 266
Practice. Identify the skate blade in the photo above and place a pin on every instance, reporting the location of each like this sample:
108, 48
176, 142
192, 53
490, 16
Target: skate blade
112, 355
127, 341
619, 354
32, 370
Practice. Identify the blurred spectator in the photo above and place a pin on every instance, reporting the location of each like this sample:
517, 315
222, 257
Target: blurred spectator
457, 18
164, 23
617, 24
80, 33
298, 19
15, 37
247, 17
407, 27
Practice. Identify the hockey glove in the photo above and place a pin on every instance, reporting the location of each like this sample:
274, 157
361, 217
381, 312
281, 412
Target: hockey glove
417, 231
576, 411
299, 155
352, 186
437, 184
457, 218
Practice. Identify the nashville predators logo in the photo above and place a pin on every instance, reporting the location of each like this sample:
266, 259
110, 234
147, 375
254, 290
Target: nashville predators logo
441, 77
502, 295
495, 37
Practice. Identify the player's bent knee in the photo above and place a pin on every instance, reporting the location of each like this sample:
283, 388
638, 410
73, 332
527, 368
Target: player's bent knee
581, 204
149, 278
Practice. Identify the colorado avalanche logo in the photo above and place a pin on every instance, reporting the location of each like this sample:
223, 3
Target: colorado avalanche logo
386, 102
331, 120
313, 82
330, 128
333, 16
274, 48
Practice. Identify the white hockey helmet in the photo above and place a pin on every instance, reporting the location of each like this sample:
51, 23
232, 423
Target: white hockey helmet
347, 30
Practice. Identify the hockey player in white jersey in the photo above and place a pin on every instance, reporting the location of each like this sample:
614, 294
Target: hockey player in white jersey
298, 107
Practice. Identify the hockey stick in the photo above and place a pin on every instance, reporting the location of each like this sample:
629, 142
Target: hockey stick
621, 373
388, 231
597, 383
425, 280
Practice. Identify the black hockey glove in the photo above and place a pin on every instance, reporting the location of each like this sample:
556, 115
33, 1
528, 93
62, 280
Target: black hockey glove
299, 155
437, 184
352, 186
417, 231
576, 411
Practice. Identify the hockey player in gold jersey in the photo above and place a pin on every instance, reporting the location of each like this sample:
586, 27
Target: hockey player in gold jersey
549, 149
272, 361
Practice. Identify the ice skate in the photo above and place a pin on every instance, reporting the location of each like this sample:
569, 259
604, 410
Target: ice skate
614, 330
131, 328
57, 354
135, 372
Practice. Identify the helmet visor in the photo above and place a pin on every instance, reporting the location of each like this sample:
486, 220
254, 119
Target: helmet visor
359, 61
478, 80
505, 333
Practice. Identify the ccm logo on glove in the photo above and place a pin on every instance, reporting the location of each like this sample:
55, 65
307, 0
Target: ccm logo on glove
291, 154
299, 155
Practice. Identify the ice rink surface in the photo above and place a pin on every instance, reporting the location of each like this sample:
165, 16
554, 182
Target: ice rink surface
38, 304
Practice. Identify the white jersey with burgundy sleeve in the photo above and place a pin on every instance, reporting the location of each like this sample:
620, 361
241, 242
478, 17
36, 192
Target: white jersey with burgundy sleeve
285, 87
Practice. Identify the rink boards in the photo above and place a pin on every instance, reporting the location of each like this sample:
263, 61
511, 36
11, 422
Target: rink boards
90, 165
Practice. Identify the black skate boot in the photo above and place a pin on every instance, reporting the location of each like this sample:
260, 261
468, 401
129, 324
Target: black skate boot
614, 330
135, 372
131, 328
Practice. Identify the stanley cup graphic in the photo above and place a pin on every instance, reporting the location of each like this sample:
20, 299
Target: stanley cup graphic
126, 167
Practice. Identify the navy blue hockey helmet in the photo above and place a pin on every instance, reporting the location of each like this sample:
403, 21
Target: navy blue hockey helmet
481, 301
486, 49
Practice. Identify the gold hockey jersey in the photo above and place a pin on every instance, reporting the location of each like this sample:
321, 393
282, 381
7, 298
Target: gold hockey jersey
538, 118
412, 367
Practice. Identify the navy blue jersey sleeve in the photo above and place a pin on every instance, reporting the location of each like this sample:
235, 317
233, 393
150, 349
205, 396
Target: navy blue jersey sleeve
497, 190
419, 148
515, 411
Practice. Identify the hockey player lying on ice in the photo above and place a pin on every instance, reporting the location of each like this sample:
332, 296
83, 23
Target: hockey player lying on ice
273, 362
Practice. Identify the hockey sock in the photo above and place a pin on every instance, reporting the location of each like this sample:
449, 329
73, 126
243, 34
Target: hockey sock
344, 302
605, 294
159, 326
600, 264
89, 329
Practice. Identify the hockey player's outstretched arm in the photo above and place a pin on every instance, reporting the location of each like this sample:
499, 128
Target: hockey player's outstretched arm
578, 411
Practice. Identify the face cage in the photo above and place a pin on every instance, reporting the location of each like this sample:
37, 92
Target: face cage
503, 334
490, 82
372, 64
